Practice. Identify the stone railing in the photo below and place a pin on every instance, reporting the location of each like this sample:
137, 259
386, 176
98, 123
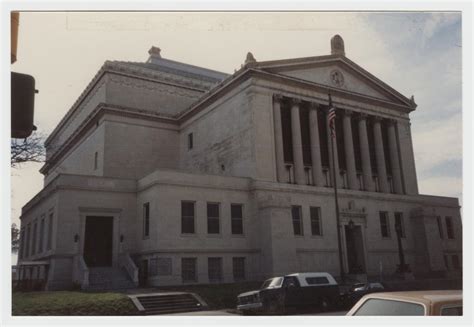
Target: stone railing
81, 271
127, 263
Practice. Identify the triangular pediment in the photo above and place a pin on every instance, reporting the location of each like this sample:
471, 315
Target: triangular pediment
336, 72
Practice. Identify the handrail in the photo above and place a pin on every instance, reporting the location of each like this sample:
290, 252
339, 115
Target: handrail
84, 272
130, 267
81, 271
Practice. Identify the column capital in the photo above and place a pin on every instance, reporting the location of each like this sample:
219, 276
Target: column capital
295, 101
277, 97
347, 112
363, 116
377, 119
391, 121
314, 105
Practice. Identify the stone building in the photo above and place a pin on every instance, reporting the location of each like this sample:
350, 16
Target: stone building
169, 173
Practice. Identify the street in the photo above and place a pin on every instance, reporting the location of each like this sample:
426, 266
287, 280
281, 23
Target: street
228, 313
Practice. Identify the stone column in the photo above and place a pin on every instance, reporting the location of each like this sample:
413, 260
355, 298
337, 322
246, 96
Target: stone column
349, 151
365, 154
277, 129
336, 157
298, 165
317, 166
380, 156
394, 159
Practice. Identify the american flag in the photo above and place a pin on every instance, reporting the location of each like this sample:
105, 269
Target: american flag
332, 118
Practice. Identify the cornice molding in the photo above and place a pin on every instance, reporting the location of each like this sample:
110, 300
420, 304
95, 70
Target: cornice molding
134, 72
89, 121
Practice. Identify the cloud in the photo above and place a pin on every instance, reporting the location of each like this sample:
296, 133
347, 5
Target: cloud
437, 21
436, 142
441, 186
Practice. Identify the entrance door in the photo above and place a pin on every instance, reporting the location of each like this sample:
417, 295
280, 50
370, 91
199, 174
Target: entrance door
98, 241
355, 250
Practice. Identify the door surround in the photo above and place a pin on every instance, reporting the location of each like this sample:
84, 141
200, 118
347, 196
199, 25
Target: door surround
84, 212
358, 218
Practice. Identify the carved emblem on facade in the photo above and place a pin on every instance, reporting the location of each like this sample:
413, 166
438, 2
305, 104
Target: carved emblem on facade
337, 78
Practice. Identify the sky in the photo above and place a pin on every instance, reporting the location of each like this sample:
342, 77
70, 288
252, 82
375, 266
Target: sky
415, 53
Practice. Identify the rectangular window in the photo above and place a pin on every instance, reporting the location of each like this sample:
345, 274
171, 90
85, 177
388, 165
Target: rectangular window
213, 226
96, 160
214, 266
384, 225
35, 233
238, 268
316, 226
41, 240
50, 232
440, 227
452, 311
188, 270
296, 216
449, 228
456, 263
399, 222
190, 141
28, 236
21, 252
317, 280
446, 262
237, 225
146, 220
187, 217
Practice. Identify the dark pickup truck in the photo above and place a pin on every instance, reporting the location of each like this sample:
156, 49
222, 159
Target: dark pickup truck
278, 295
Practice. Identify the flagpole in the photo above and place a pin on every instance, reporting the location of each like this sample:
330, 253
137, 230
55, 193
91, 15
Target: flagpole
334, 183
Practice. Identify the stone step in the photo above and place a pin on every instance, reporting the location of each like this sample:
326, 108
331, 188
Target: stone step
108, 278
168, 303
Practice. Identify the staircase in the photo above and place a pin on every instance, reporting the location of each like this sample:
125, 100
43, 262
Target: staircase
166, 303
108, 278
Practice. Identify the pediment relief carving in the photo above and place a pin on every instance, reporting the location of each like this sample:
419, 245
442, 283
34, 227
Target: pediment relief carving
349, 77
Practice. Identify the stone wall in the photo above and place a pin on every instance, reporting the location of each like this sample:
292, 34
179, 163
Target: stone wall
222, 137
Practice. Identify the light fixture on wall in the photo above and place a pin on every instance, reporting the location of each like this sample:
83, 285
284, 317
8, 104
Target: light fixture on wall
76, 238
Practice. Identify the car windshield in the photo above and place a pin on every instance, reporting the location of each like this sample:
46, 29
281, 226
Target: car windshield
379, 307
272, 282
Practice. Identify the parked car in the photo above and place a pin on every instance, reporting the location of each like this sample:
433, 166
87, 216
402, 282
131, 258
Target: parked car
413, 303
296, 291
357, 291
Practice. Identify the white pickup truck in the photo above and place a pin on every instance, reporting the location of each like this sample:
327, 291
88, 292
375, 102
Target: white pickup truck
278, 295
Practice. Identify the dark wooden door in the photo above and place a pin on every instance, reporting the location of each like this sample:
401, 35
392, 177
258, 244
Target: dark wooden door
98, 241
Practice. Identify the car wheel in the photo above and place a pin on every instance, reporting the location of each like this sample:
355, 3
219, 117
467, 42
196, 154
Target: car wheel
325, 304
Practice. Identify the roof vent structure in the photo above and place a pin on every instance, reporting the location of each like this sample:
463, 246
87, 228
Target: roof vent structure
155, 52
337, 45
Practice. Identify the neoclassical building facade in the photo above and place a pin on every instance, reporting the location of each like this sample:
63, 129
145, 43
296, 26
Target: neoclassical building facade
168, 173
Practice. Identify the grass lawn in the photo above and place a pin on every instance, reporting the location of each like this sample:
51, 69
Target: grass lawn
218, 296
71, 304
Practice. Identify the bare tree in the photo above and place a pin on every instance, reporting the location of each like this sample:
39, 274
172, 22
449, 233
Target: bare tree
30, 149
15, 238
